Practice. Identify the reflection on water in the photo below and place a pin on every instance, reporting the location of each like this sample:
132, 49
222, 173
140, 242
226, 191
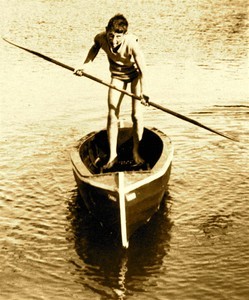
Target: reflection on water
217, 225
111, 270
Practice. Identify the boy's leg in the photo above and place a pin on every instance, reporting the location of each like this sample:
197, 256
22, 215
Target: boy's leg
114, 102
137, 119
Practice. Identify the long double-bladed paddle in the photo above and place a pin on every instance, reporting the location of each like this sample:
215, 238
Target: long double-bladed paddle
153, 104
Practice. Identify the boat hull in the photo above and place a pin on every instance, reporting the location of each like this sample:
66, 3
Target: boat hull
141, 203
148, 198
141, 191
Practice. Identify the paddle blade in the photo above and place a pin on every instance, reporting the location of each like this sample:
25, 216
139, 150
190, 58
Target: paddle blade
41, 56
185, 118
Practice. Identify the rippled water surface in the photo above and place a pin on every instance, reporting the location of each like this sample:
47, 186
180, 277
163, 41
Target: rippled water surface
197, 246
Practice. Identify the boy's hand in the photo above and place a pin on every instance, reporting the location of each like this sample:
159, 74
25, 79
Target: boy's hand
145, 100
79, 72
82, 70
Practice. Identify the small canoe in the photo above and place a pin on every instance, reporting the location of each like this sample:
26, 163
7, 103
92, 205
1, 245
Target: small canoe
128, 195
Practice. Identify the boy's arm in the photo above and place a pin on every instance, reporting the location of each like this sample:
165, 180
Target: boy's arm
140, 62
94, 50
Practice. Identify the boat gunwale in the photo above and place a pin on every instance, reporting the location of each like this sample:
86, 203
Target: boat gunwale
158, 170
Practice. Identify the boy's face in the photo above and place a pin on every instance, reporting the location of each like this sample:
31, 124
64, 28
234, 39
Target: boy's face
114, 38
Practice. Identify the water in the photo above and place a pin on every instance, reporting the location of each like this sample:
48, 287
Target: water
196, 247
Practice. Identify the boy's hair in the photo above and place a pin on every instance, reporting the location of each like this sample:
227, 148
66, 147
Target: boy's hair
118, 24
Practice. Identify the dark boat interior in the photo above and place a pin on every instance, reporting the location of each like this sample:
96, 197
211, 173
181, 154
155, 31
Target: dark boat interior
94, 151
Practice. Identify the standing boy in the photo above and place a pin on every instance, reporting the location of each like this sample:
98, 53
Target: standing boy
126, 66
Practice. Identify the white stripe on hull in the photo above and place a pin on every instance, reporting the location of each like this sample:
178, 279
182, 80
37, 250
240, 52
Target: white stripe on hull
122, 210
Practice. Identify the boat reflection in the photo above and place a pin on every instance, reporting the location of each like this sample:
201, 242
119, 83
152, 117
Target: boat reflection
104, 266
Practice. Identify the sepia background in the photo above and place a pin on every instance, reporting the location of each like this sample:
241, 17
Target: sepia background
197, 246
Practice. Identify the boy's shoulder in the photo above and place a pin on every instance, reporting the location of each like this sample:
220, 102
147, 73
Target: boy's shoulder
129, 37
131, 41
100, 37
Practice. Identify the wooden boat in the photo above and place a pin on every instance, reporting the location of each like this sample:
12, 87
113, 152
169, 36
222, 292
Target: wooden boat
126, 196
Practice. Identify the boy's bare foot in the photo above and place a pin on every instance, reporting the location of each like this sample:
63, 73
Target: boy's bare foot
138, 159
110, 163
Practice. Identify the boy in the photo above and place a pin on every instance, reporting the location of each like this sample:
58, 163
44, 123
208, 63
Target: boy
126, 66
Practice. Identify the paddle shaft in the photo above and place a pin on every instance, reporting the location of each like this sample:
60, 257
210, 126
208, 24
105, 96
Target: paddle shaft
153, 104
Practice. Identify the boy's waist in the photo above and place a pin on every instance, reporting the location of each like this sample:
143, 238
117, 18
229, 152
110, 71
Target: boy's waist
123, 70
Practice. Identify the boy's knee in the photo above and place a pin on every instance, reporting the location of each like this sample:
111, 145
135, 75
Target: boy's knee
112, 118
136, 118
